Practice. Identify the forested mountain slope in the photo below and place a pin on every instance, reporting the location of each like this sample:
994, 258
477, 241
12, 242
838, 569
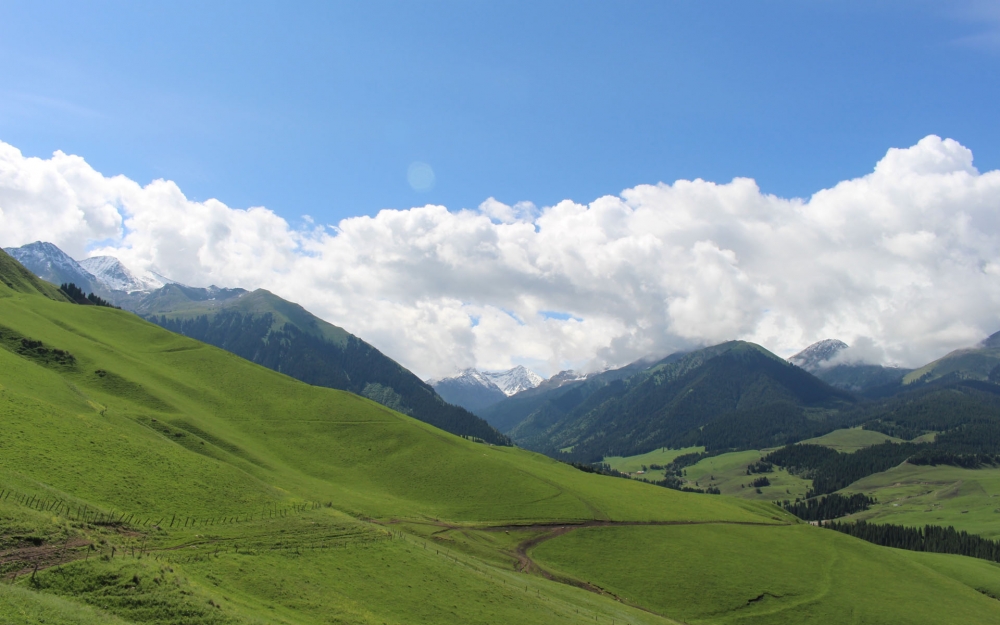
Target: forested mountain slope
733, 395
860, 378
553, 398
820, 359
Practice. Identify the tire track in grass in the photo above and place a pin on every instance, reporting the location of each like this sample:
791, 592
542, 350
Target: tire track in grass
528, 565
554, 530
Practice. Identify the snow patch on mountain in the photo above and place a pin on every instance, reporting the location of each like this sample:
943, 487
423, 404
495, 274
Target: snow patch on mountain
51, 264
513, 381
476, 390
114, 275
509, 382
818, 355
469, 378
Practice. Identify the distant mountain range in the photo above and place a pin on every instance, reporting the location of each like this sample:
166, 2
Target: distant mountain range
819, 359
738, 395
262, 328
476, 390
818, 355
113, 275
104, 276
735, 395
50, 263
704, 397
19, 280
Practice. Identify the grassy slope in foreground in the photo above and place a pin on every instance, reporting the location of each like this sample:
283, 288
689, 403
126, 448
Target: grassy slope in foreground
285, 337
230, 437
173, 427
793, 575
241, 437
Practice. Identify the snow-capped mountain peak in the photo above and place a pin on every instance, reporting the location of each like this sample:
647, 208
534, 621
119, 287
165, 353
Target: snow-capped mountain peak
813, 357
50, 263
468, 377
114, 275
474, 390
514, 380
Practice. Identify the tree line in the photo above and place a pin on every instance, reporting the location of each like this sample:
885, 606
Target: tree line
77, 294
832, 470
932, 538
671, 481
830, 507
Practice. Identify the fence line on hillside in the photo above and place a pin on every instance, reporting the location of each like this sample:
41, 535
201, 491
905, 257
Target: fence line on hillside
93, 515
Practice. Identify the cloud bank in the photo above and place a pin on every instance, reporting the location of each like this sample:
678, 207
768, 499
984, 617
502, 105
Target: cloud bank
905, 259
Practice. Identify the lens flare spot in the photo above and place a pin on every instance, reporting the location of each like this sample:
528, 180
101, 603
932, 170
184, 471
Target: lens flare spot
420, 176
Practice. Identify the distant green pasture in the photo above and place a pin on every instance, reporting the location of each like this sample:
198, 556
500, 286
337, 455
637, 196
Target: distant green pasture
851, 439
914, 495
727, 472
632, 464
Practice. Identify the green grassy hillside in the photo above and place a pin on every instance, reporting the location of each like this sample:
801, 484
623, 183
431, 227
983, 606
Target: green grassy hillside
149, 478
285, 337
728, 472
972, 363
794, 575
234, 427
968, 499
14, 278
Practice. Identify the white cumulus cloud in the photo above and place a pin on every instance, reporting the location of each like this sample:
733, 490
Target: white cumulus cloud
904, 259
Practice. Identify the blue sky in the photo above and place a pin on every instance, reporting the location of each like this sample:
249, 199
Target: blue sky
339, 110
322, 108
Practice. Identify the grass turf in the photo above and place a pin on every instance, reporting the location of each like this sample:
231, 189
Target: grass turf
795, 574
247, 489
169, 411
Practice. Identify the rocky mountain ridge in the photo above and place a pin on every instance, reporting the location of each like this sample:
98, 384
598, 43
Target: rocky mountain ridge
115, 276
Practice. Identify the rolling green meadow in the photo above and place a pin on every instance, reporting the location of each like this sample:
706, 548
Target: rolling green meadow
968, 499
149, 478
797, 574
632, 464
850, 439
910, 495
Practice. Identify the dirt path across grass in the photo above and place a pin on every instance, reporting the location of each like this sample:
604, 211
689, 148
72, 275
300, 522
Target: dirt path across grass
554, 530
25, 559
